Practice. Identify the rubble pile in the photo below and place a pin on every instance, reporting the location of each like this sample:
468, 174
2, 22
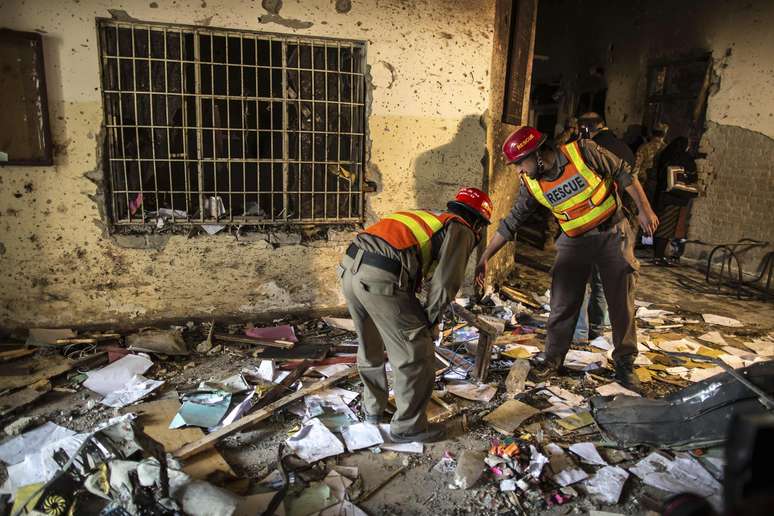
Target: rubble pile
146, 416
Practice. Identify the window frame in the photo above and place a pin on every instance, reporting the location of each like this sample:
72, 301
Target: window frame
358, 129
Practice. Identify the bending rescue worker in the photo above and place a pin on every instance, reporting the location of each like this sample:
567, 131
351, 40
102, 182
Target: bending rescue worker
381, 272
580, 183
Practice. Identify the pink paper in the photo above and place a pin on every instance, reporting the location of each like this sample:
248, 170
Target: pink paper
284, 332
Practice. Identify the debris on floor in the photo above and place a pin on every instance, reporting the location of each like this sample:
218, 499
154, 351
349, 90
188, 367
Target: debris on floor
160, 420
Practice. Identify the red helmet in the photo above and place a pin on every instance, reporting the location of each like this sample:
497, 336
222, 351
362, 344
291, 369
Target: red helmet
522, 142
474, 200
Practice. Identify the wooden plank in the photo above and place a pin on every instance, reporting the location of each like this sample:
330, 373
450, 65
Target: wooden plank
483, 356
521, 50
250, 419
282, 344
282, 388
154, 417
476, 321
47, 367
12, 402
519, 297
7, 356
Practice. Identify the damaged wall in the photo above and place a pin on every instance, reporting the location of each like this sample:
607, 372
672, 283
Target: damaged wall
430, 65
622, 37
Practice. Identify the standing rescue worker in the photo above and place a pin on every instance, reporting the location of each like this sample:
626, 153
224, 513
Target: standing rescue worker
579, 183
381, 273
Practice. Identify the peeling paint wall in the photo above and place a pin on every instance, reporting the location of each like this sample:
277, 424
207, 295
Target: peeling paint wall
430, 62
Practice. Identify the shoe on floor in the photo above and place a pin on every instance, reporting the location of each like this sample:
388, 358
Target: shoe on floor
432, 434
543, 369
624, 374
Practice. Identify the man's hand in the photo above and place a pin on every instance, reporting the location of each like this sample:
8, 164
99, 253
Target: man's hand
435, 331
648, 221
480, 275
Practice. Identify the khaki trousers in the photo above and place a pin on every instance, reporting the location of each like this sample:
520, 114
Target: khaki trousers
389, 316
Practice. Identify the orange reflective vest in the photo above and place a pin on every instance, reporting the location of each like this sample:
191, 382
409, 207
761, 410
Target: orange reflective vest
414, 228
579, 198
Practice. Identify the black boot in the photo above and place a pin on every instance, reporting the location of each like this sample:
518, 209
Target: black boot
543, 368
624, 373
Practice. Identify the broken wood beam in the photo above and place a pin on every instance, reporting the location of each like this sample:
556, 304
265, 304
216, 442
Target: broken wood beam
209, 440
515, 295
487, 333
282, 388
282, 344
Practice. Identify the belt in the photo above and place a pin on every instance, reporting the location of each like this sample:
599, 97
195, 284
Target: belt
375, 260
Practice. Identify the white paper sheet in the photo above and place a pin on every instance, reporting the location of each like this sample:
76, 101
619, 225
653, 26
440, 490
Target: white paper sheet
482, 392
135, 389
715, 337
679, 346
384, 429
361, 435
344, 508
606, 484
567, 472
683, 474
763, 347
588, 452
614, 388
315, 442
642, 360
720, 320
601, 343
536, 462
341, 323
651, 313
116, 375
330, 370
40, 466
14, 450
584, 360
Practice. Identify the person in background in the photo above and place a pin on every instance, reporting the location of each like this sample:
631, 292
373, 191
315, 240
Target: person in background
668, 205
645, 160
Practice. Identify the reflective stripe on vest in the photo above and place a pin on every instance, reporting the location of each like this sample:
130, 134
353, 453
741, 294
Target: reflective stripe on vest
580, 199
415, 228
420, 232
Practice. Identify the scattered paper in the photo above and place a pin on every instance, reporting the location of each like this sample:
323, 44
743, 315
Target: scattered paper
521, 351
565, 470
315, 442
361, 435
14, 450
683, 474
720, 320
347, 396
330, 370
483, 392
233, 384
679, 346
763, 347
606, 484
384, 429
613, 388
115, 376
212, 229
639, 303
536, 462
601, 343
576, 421
508, 484
284, 332
344, 508
584, 360
203, 409
340, 323
714, 337
588, 452
642, 360
507, 417
741, 353
135, 389
651, 313
331, 409
40, 466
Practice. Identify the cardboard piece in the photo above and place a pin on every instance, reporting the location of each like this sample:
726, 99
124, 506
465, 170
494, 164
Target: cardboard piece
509, 416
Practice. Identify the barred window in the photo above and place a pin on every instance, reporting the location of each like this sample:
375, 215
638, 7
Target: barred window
213, 126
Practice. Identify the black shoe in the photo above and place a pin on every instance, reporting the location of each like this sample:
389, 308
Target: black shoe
625, 375
542, 369
432, 434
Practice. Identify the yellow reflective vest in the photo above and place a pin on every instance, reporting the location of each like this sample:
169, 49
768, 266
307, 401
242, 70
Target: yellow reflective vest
579, 198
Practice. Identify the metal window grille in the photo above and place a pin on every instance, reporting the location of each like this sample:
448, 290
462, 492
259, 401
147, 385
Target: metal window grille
219, 126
